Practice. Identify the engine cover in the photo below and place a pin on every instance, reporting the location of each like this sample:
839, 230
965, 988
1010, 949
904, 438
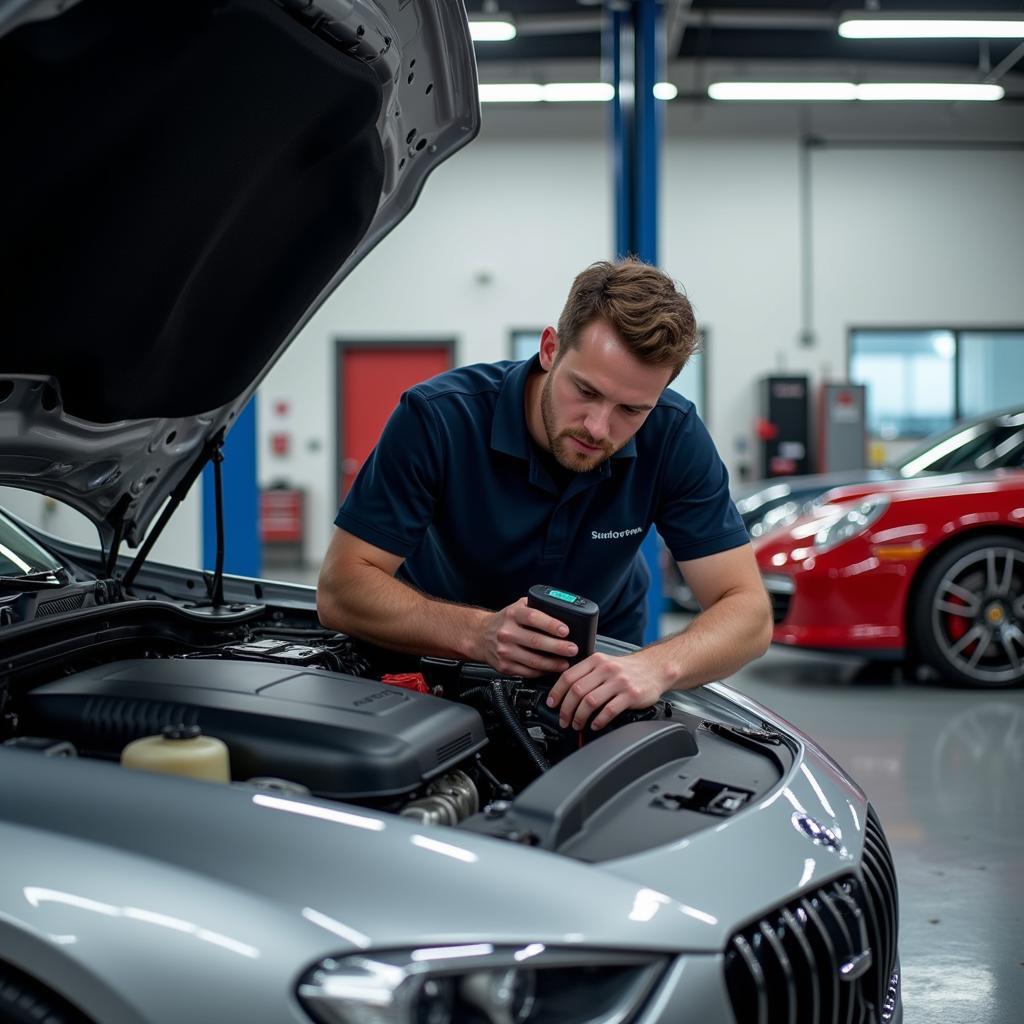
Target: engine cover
341, 736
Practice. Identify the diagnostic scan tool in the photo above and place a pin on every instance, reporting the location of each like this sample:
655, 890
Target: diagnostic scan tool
578, 613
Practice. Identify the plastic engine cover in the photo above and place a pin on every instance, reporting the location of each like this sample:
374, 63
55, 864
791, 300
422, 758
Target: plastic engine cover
339, 735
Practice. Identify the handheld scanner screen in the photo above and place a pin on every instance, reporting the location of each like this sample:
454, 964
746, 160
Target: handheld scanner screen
578, 613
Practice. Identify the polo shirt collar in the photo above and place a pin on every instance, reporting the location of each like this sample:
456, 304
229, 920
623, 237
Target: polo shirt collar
509, 433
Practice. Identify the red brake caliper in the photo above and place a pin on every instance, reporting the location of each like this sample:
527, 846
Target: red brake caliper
956, 625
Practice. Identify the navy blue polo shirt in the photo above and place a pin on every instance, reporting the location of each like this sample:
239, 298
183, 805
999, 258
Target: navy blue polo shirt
459, 489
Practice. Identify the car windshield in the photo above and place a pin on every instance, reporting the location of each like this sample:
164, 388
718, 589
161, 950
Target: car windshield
19, 554
994, 443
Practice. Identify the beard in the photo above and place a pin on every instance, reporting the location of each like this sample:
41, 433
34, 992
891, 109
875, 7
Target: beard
567, 455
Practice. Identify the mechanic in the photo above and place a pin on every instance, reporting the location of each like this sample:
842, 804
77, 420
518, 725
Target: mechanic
493, 477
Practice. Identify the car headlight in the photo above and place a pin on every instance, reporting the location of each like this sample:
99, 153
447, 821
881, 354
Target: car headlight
850, 523
781, 515
745, 506
479, 984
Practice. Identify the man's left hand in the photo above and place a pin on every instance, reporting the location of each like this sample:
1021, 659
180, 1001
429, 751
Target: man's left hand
603, 686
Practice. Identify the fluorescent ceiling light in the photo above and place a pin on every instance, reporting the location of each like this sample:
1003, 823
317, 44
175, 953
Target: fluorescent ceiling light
928, 91
854, 25
553, 92
492, 30
578, 92
561, 92
514, 92
782, 91
842, 91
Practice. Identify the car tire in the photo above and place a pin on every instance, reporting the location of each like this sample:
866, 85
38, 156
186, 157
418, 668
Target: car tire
968, 618
24, 1001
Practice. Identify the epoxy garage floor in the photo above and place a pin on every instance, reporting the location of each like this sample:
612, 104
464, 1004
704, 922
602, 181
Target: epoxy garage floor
945, 770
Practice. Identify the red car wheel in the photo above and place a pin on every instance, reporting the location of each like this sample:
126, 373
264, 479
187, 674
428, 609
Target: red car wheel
969, 616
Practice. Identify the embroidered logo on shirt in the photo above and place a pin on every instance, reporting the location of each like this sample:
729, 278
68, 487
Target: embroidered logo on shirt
616, 534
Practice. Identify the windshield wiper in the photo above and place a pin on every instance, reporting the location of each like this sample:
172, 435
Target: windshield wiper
43, 579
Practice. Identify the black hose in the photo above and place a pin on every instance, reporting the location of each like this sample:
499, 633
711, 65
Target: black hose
499, 699
474, 692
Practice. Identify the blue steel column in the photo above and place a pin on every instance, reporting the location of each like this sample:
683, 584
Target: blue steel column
632, 51
241, 501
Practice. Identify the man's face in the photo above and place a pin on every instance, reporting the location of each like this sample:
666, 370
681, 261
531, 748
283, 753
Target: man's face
596, 397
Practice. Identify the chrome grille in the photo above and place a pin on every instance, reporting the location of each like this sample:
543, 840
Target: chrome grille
883, 907
824, 958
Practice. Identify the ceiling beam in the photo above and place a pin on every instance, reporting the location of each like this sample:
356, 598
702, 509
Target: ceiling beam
1005, 65
675, 27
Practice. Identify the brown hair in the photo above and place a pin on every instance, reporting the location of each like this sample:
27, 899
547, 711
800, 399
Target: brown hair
642, 304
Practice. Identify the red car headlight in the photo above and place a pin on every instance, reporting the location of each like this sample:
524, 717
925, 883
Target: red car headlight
851, 523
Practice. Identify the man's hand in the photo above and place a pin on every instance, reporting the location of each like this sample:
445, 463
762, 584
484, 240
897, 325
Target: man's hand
604, 686
523, 641
735, 627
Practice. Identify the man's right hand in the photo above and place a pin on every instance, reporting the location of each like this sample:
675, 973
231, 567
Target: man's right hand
523, 641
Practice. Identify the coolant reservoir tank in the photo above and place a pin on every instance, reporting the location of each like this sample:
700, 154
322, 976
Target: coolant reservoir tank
180, 750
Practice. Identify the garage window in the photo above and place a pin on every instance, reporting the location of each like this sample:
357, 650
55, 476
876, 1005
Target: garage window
525, 343
991, 370
923, 381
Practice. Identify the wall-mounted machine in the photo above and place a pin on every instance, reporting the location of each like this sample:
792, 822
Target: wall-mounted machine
783, 426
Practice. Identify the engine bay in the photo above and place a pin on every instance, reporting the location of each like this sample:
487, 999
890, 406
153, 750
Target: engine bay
309, 712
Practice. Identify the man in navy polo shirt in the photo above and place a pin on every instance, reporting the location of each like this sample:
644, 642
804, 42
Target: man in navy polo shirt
490, 478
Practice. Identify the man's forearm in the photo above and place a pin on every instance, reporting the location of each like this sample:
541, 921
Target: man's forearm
379, 608
733, 631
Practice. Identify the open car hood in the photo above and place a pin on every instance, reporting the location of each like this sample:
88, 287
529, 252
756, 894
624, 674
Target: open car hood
184, 182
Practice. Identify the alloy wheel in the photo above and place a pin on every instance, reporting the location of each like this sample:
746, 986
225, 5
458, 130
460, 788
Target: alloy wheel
977, 615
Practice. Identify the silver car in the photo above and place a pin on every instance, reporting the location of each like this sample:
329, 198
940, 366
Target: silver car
336, 833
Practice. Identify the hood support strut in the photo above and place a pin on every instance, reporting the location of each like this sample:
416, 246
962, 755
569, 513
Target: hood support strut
217, 585
116, 517
211, 450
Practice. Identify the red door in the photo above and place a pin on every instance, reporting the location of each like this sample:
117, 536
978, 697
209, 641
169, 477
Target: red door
372, 381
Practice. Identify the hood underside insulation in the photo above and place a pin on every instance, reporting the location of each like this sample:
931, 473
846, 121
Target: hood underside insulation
180, 181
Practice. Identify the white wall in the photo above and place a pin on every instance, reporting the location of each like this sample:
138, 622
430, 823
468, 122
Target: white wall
730, 234
917, 238
900, 236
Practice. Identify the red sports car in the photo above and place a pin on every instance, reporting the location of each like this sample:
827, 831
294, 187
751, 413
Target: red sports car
928, 570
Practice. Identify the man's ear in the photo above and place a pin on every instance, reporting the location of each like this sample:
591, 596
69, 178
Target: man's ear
548, 347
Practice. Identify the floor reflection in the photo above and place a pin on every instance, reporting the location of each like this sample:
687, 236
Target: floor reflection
945, 771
